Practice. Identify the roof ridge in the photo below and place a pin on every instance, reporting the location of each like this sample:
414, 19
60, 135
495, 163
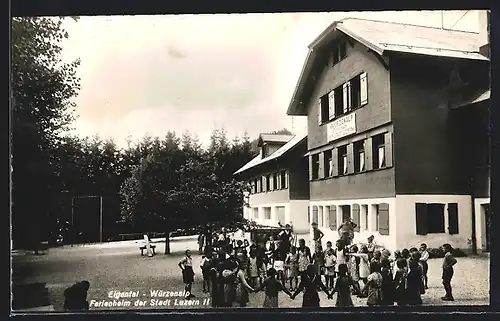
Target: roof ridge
407, 24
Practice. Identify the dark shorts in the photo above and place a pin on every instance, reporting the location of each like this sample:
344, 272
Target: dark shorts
188, 275
447, 275
425, 267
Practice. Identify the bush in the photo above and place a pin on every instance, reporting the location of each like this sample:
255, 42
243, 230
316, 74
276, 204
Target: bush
435, 253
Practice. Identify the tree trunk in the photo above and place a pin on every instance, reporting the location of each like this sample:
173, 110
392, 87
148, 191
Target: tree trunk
167, 242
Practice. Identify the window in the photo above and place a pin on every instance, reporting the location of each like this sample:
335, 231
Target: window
308, 215
328, 163
265, 151
358, 91
342, 161
365, 214
339, 102
346, 212
284, 180
315, 166
259, 185
275, 181
320, 216
359, 157
256, 213
268, 183
267, 213
339, 52
324, 109
378, 151
253, 187
430, 218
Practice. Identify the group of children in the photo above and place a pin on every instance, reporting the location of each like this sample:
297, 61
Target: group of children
364, 271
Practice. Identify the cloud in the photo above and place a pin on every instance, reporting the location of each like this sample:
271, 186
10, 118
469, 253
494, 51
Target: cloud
176, 53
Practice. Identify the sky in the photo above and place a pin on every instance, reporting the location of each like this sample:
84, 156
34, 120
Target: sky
153, 74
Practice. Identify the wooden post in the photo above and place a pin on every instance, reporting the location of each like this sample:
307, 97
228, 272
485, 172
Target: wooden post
148, 246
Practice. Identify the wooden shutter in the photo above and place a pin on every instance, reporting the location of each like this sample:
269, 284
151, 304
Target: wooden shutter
388, 149
331, 104
332, 219
271, 183
319, 111
452, 218
278, 180
345, 89
421, 218
363, 79
321, 167
335, 161
264, 184
355, 217
383, 219
350, 159
315, 215
368, 154
311, 167
286, 179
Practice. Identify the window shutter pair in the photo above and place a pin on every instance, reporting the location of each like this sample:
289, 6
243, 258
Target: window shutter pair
422, 221
332, 218
383, 219
355, 217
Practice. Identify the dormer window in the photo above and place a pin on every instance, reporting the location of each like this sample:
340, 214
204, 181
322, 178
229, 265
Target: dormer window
339, 52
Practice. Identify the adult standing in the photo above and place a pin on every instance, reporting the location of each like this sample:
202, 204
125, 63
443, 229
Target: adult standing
346, 231
305, 258
201, 242
285, 237
317, 235
371, 246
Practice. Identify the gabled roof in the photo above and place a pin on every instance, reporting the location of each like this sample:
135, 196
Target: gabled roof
278, 138
383, 37
258, 160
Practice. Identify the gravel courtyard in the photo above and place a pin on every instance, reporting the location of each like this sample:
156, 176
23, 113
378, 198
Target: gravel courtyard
119, 267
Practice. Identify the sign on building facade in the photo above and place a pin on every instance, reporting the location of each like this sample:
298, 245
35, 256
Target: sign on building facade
341, 127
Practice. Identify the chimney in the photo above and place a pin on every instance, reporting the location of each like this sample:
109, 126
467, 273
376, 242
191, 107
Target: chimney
484, 17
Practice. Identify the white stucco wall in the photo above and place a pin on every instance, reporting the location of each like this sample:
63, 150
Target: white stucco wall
295, 213
366, 229
298, 216
407, 237
480, 222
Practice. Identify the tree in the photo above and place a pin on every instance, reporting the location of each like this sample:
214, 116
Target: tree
43, 87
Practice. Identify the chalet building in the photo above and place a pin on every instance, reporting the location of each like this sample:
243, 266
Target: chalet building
279, 189
387, 144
